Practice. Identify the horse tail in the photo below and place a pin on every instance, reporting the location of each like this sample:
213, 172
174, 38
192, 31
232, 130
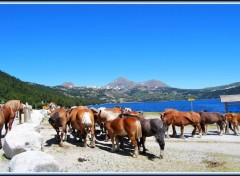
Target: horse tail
139, 129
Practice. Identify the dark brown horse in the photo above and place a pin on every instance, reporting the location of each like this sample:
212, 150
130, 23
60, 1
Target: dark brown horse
7, 116
211, 118
59, 119
128, 126
151, 127
176, 118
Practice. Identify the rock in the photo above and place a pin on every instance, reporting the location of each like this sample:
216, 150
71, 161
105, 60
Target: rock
21, 139
36, 117
33, 161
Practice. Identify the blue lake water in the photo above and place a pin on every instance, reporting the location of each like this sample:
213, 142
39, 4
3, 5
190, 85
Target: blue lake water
210, 105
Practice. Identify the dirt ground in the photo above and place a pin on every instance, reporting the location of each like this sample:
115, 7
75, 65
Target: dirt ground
211, 153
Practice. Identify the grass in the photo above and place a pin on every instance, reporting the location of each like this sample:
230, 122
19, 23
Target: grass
4, 158
151, 114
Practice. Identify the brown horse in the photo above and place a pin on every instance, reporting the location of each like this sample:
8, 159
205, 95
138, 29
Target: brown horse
102, 114
211, 118
235, 120
129, 126
83, 121
176, 118
58, 119
17, 106
6, 117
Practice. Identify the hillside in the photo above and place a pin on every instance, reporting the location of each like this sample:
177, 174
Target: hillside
34, 94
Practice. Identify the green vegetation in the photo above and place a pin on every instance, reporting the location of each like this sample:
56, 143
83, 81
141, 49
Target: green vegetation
34, 94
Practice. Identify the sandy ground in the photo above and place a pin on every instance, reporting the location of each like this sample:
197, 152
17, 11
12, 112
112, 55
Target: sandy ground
211, 153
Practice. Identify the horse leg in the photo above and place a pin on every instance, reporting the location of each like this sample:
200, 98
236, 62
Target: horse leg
142, 141
1, 137
121, 142
135, 143
106, 136
6, 128
117, 142
84, 137
61, 139
167, 136
235, 127
160, 139
204, 128
194, 130
113, 145
200, 130
174, 131
220, 124
92, 144
182, 132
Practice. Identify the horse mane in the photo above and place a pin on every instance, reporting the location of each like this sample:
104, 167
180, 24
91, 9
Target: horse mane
109, 115
131, 115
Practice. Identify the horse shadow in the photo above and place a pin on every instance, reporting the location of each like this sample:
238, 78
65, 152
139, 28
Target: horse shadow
126, 151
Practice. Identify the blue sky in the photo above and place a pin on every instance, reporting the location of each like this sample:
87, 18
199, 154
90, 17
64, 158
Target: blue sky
183, 45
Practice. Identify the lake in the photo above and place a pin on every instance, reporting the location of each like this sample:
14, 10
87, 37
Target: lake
210, 105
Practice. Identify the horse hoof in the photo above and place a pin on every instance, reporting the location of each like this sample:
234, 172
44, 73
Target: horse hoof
113, 150
61, 144
161, 157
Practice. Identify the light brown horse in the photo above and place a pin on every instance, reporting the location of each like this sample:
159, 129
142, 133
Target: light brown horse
129, 126
234, 119
59, 119
176, 118
17, 107
83, 121
6, 117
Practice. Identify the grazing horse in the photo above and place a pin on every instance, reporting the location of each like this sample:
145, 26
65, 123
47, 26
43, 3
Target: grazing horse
211, 118
152, 127
234, 119
176, 118
83, 121
17, 106
7, 116
59, 119
129, 126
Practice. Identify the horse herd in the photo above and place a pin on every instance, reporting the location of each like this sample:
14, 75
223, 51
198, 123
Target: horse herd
118, 123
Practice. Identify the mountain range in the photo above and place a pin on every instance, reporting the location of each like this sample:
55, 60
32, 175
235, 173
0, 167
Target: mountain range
119, 90
124, 83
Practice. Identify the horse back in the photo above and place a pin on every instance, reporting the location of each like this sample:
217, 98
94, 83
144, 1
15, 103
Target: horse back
211, 117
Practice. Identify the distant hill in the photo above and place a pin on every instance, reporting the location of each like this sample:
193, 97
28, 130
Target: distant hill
123, 83
34, 94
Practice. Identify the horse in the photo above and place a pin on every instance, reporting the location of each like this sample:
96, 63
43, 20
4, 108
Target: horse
176, 118
129, 126
102, 114
17, 106
59, 119
151, 127
211, 118
83, 121
7, 116
234, 119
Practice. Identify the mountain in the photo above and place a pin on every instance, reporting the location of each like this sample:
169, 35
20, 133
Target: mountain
123, 83
68, 85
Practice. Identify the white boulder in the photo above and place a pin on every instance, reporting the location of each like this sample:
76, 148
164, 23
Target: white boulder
33, 161
21, 139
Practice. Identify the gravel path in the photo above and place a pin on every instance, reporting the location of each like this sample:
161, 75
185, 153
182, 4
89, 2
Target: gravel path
211, 153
